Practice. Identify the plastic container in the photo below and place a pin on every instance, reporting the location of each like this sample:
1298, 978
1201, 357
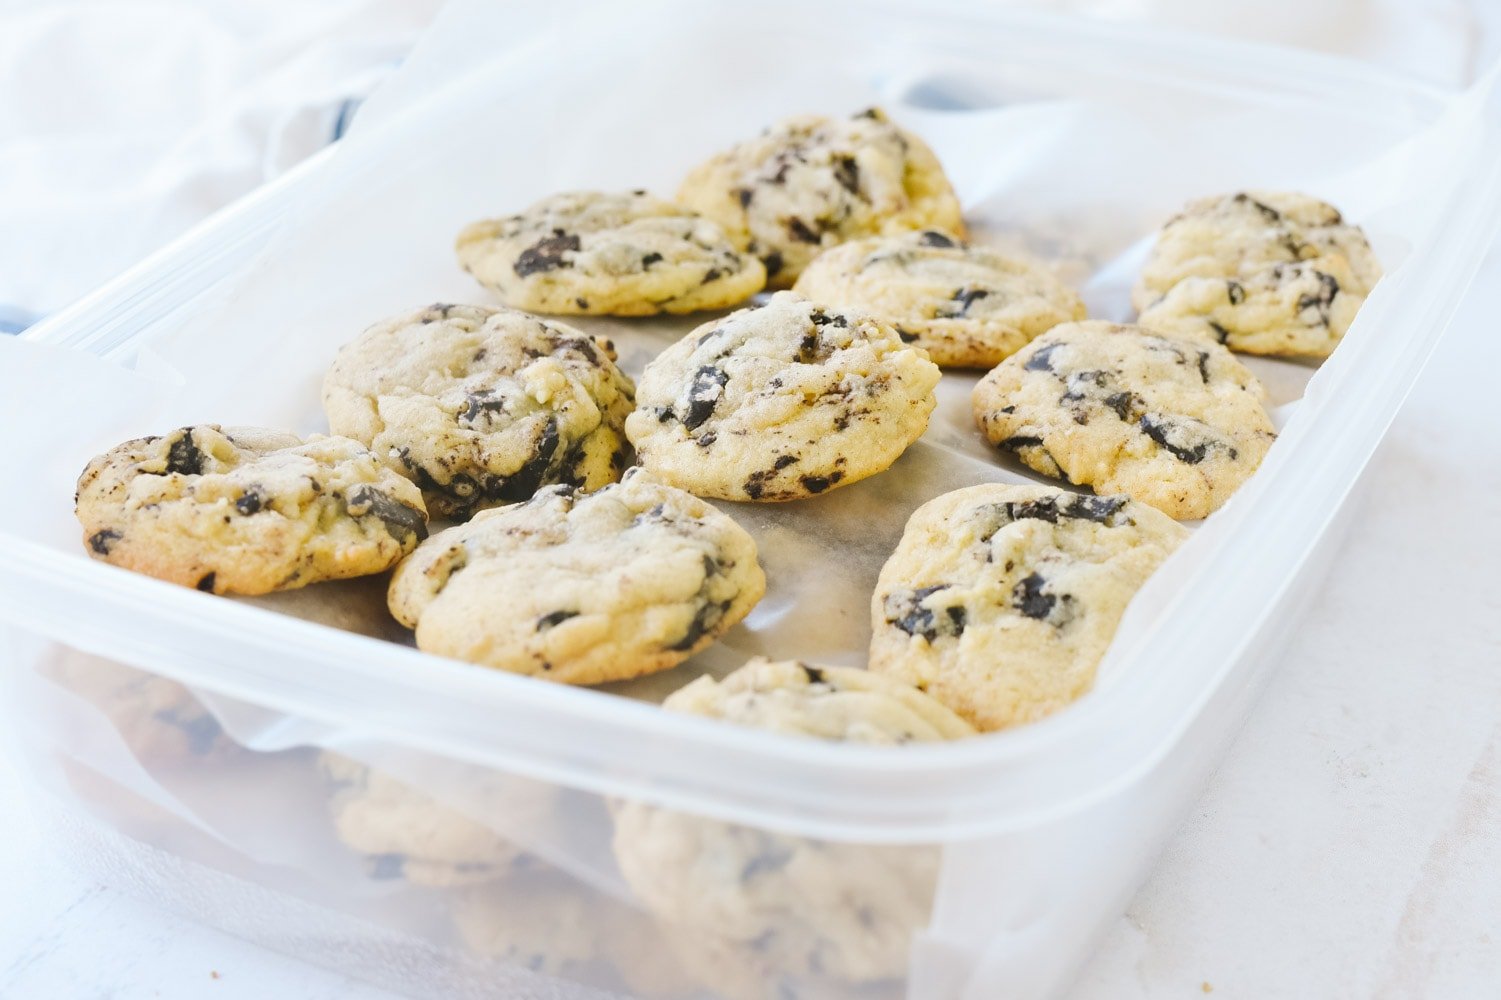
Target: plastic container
446, 830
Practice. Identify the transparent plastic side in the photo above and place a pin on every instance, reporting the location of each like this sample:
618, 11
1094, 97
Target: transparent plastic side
1177, 647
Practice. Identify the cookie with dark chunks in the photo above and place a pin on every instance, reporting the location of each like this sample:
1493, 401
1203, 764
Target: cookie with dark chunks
810, 182
482, 407
968, 306
1175, 423
608, 254
546, 923
161, 721
1260, 272
775, 914
406, 834
246, 510
781, 402
581, 588
834, 703
1001, 600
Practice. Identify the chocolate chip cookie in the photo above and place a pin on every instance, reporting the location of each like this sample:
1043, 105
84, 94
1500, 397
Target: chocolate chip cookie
581, 587
781, 402
608, 254
1262, 273
1001, 600
406, 834
247, 510
773, 914
1175, 423
968, 306
480, 406
810, 182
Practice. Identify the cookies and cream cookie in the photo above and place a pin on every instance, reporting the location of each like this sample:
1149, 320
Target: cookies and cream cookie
245, 510
811, 182
404, 833
609, 254
481, 406
968, 306
781, 402
1175, 423
775, 912
1260, 272
581, 588
1000, 600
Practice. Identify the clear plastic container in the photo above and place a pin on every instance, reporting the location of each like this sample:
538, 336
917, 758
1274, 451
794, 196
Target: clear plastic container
290, 769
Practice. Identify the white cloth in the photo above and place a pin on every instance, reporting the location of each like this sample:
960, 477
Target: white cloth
123, 123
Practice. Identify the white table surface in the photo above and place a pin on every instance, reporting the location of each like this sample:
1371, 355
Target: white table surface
1349, 845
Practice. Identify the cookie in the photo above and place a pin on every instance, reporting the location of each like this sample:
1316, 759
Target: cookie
1000, 600
247, 510
1175, 423
581, 588
781, 402
1262, 273
480, 406
406, 834
160, 720
793, 915
967, 306
606, 254
556, 927
810, 182
833, 703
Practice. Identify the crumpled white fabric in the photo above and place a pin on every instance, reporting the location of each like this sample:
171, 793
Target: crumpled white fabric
123, 123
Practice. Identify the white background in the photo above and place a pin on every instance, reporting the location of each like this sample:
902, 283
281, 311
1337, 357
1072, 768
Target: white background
1349, 846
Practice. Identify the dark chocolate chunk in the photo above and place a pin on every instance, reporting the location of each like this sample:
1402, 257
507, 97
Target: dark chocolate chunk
1018, 441
549, 620
967, 297
581, 302
1098, 509
1028, 598
1236, 292
183, 457
704, 393
250, 501
1220, 333
1203, 368
704, 440
206, 583
783, 461
480, 401
526, 480
773, 262
1158, 429
100, 541
904, 609
1122, 403
1328, 289
712, 274
815, 676
847, 173
817, 484
1271, 214
650, 259
799, 230
1042, 361
907, 337
745, 195
546, 254
933, 238
708, 616
399, 519
822, 318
